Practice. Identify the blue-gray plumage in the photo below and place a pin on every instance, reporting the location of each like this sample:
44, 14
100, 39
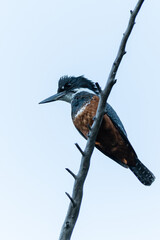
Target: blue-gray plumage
113, 115
112, 138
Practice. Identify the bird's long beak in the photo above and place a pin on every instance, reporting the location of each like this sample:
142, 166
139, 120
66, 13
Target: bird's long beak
53, 98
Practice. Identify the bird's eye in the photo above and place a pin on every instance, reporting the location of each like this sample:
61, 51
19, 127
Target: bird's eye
64, 87
67, 85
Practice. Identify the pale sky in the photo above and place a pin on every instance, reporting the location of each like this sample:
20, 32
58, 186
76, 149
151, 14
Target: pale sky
40, 42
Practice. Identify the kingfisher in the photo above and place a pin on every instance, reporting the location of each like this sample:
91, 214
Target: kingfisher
112, 139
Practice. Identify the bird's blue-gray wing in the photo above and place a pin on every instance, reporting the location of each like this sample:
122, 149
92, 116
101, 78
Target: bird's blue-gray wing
115, 119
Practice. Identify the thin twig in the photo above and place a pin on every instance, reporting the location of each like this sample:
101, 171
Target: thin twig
77, 193
98, 87
71, 199
73, 175
79, 148
89, 127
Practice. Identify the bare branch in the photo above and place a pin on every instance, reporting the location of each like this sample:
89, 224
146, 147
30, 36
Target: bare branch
89, 127
71, 199
77, 194
79, 148
73, 175
98, 87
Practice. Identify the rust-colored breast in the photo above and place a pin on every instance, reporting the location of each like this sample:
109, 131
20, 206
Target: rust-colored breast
84, 118
109, 140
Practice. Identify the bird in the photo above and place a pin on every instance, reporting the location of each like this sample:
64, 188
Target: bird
112, 139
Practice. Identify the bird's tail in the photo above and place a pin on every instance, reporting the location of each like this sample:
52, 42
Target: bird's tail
144, 175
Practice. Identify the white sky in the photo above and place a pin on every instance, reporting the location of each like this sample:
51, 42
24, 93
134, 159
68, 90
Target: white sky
39, 42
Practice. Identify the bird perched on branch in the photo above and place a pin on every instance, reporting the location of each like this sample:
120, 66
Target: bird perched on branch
112, 138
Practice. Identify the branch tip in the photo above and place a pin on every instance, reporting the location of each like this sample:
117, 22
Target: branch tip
89, 127
114, 82
71, 199
88, 135
72, 174
94, 118
79, 148
98, 87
